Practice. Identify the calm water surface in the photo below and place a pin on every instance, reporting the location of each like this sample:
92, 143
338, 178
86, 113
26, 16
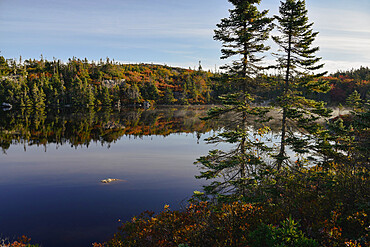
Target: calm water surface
52, 164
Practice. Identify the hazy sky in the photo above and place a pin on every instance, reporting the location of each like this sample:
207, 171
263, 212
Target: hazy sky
173, 32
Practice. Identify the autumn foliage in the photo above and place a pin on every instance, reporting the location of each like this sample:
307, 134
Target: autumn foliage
317, 207
21, 242
40, 83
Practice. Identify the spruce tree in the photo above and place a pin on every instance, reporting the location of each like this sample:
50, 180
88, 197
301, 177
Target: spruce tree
4, 67
105, 98
243, 35
354, 100
168, 97
38, 96
298, 60
91, 96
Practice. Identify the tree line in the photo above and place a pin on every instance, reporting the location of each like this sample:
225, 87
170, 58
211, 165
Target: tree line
40, 83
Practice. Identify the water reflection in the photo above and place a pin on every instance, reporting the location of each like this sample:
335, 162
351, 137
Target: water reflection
81, 128
56, 197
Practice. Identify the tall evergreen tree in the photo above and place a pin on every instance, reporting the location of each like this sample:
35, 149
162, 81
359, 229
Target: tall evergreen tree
299, 62
242, 34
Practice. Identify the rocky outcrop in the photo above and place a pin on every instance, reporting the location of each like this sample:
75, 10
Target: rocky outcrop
110, 180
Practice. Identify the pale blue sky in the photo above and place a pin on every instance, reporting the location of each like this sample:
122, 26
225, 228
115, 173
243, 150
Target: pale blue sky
173, 32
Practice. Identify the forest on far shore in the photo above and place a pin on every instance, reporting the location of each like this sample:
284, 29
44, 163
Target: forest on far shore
40, 83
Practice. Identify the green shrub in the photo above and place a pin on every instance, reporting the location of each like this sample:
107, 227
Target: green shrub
286, 235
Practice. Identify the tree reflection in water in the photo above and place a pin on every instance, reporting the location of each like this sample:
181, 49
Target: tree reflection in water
80, 127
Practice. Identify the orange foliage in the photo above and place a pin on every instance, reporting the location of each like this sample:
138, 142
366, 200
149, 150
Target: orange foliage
21, 242
199, 225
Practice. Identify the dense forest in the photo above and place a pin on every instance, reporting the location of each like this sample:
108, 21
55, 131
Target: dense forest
81, 83
40, 83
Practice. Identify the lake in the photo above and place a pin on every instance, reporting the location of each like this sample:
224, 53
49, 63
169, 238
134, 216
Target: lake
53, 161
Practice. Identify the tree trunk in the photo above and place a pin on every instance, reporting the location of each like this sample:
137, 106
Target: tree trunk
244, 117
281, 155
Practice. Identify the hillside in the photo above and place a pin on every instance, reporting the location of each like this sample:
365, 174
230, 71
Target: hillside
40, 83
82, 83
